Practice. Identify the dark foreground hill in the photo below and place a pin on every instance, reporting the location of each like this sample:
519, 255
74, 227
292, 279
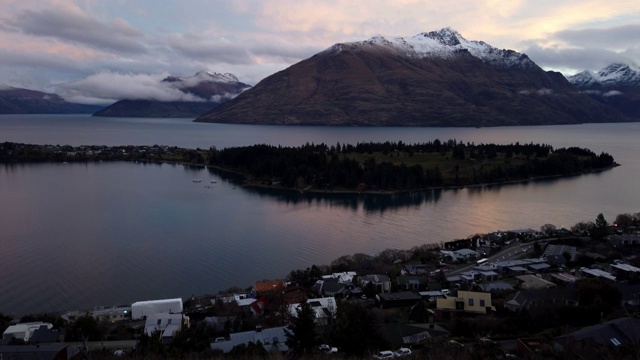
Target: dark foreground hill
25, 101
431, 79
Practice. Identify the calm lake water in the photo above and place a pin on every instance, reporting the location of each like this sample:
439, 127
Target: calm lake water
73, 236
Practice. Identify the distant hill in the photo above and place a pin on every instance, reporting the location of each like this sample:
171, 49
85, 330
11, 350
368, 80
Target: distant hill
431, 79
208, 90
25, 101
617, 85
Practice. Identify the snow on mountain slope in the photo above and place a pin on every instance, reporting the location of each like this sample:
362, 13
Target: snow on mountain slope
612, 76
445, 43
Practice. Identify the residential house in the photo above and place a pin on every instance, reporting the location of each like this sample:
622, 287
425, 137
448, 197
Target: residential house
496, 286
458, 244
265, 288
615, 334
625, 271
331, 287
466, 254
470, 302
408, 335
534, 348
539, 268
412, 282
541, 298
488, 275
558, 249
24, 331
415, 269
526, 282
272, 339
325, 309
556, 260
165, 325
381, 283
252, 306
623, 240
398, 299
597, 273
343, 277
562, 279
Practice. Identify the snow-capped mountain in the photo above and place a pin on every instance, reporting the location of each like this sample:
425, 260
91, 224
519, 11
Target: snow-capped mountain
435, 78
445, 43
204, 75
617, 85
612, 77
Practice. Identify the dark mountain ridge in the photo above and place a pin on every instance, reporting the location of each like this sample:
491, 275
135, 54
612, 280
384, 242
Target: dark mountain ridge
431, 79
25, 101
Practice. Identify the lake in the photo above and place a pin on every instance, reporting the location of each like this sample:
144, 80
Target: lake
74, 236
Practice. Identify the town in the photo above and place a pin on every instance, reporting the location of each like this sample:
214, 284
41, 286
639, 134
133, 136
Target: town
529, 294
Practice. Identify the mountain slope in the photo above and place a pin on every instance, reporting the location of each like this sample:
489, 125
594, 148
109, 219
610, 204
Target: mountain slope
617, 85
24, 101
431, 79
206, 90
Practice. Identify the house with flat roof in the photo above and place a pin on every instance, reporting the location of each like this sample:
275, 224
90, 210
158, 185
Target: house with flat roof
469, 302
24, 331
597, 273
625, 271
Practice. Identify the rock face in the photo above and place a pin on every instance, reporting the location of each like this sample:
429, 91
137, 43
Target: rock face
617, 85
431, 79
24, 101
206, 90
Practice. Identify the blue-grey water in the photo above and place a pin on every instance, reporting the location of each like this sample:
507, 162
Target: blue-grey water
73, 236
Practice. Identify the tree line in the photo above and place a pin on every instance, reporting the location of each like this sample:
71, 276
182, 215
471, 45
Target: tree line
392, 166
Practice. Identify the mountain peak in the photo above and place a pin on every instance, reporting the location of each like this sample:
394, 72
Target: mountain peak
445, 43
215, 76
613, 76
445, 36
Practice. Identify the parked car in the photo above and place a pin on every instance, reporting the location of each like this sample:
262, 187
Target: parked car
453, 342
402, 352
328, 349
385, 354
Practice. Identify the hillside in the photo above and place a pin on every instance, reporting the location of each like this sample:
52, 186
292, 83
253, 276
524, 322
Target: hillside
431, 79
25, 101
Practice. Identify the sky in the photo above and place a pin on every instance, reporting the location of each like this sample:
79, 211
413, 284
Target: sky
100, 51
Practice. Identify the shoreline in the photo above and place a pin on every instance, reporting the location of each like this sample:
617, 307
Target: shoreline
395, 192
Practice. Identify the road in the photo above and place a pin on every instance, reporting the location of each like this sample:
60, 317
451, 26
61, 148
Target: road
514, 251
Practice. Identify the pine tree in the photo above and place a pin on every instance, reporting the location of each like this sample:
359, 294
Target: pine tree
301, 337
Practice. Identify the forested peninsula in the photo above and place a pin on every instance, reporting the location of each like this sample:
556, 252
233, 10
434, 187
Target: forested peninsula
364, 167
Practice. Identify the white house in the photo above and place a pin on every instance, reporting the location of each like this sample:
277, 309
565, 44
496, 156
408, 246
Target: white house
165, 324
24, 331
324, 308
141, 309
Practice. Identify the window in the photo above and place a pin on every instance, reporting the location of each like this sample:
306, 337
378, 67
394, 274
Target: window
169, 322
482, 302
159, 321
470, 302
